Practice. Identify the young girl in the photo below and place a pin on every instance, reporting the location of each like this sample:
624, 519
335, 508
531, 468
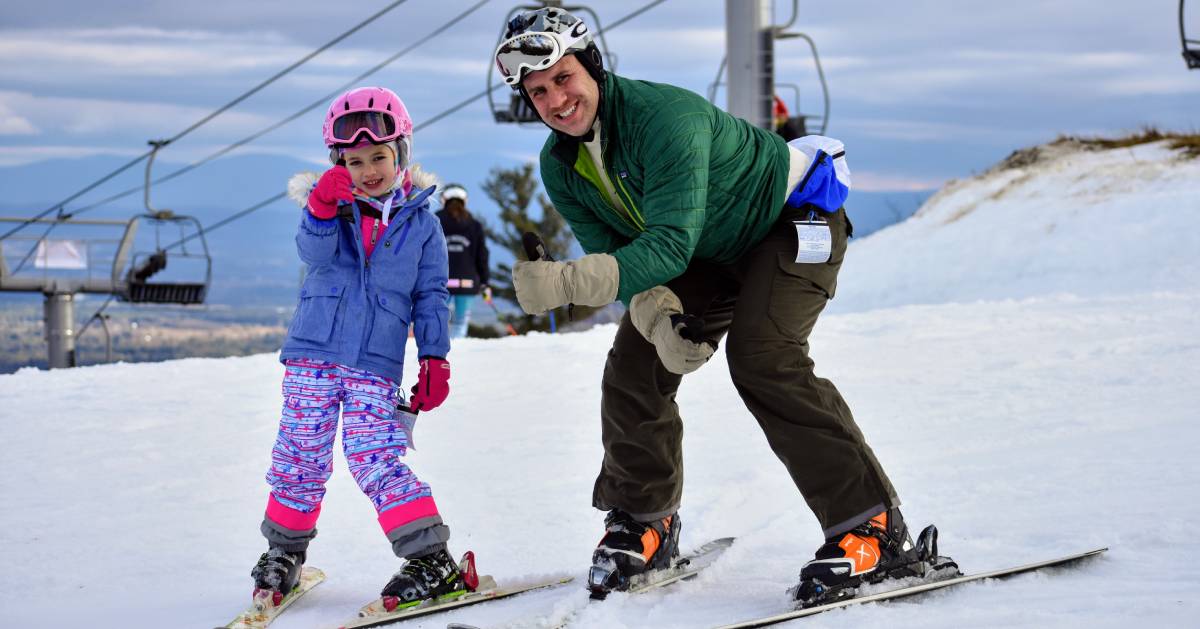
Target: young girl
376, 262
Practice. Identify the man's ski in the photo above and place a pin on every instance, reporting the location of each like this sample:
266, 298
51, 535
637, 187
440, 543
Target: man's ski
686, 567
373, 615
911, 590
262, 612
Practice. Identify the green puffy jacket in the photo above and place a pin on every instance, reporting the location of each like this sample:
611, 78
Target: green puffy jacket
694, 181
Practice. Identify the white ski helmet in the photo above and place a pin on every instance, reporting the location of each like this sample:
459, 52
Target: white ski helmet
536, 40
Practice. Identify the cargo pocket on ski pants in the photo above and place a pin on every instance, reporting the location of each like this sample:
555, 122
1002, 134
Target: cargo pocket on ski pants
800, 290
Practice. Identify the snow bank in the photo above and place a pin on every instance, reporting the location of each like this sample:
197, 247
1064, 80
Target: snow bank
1078, 222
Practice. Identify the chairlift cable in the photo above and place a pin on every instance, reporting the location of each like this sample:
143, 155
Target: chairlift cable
493, 87
288, 69
60, 204
99, 310
229, 219
33, 249
428, 122
209, 117
636, 13
314, 105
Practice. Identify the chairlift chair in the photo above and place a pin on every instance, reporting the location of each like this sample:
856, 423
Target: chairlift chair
1191, 46
516, 110
137, 285
803, 122
144, 265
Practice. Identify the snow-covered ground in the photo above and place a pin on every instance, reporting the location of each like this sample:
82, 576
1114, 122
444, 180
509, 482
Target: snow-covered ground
1022, 356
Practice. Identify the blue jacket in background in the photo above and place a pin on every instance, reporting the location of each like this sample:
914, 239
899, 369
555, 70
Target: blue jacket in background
356, 311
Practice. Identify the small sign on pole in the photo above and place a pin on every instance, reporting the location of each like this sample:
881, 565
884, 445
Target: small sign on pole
61, 254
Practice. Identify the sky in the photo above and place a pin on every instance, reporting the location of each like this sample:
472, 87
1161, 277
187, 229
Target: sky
1029, 387
922, 92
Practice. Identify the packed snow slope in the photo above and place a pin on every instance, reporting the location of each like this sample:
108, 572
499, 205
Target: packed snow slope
1022, 355
1066, 220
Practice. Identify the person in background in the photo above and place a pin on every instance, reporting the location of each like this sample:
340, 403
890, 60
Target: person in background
786, 126
467, 248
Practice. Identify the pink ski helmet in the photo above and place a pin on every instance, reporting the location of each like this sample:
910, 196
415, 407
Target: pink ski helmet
373, 115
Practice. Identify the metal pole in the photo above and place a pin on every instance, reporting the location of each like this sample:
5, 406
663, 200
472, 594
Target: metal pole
749, 40
60, 329
107, 338
157, 144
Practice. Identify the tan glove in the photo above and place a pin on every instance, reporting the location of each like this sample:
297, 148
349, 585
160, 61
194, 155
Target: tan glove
543, 285
651, 312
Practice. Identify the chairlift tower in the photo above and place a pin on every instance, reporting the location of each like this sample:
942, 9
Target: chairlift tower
750, 37
59, 292
129, 277
750, 44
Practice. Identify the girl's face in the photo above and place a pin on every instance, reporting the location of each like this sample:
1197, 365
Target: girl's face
372, 168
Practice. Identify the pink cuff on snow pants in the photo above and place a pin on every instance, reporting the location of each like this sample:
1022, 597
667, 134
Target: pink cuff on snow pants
403, 514
288, 517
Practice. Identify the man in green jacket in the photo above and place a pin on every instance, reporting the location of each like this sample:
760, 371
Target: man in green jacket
705, 226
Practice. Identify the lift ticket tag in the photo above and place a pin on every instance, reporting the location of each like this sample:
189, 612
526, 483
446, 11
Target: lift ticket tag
814, 243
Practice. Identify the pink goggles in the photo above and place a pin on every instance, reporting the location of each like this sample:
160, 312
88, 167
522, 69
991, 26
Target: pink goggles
377, 126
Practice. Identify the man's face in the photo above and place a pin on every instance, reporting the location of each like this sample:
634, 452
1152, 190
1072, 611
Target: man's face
565, 96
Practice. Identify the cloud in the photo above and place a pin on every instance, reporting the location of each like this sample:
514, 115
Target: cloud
669, 51
1160, 84
868, 181
19, 155
1050, 60
142, 118
59, 56
13, 124
976, 74
916, 130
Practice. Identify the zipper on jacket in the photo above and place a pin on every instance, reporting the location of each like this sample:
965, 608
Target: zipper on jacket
637, 216
631, 207
586, 168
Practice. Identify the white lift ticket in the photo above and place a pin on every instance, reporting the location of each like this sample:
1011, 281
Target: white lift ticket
814, 243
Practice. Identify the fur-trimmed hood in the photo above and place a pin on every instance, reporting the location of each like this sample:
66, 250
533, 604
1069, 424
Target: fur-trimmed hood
301, 184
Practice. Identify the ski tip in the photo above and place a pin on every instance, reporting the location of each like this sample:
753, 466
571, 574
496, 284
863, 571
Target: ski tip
716, 544
312, 573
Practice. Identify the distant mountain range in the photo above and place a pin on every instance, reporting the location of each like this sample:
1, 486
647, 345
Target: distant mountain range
254, 257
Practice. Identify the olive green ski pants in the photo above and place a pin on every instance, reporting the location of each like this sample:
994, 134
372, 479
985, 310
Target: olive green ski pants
766, 304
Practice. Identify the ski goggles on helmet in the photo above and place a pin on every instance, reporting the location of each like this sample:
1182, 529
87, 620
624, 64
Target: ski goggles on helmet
454, 192
531, 52
356, 126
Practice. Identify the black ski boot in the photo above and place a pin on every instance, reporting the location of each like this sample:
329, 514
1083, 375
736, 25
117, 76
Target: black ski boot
277, 572
873, 551
432, 576
630, 548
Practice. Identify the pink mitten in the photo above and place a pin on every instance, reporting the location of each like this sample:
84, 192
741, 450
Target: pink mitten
433, 384
334, 186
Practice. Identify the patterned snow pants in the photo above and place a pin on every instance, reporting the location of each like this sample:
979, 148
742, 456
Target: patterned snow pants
373, 439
